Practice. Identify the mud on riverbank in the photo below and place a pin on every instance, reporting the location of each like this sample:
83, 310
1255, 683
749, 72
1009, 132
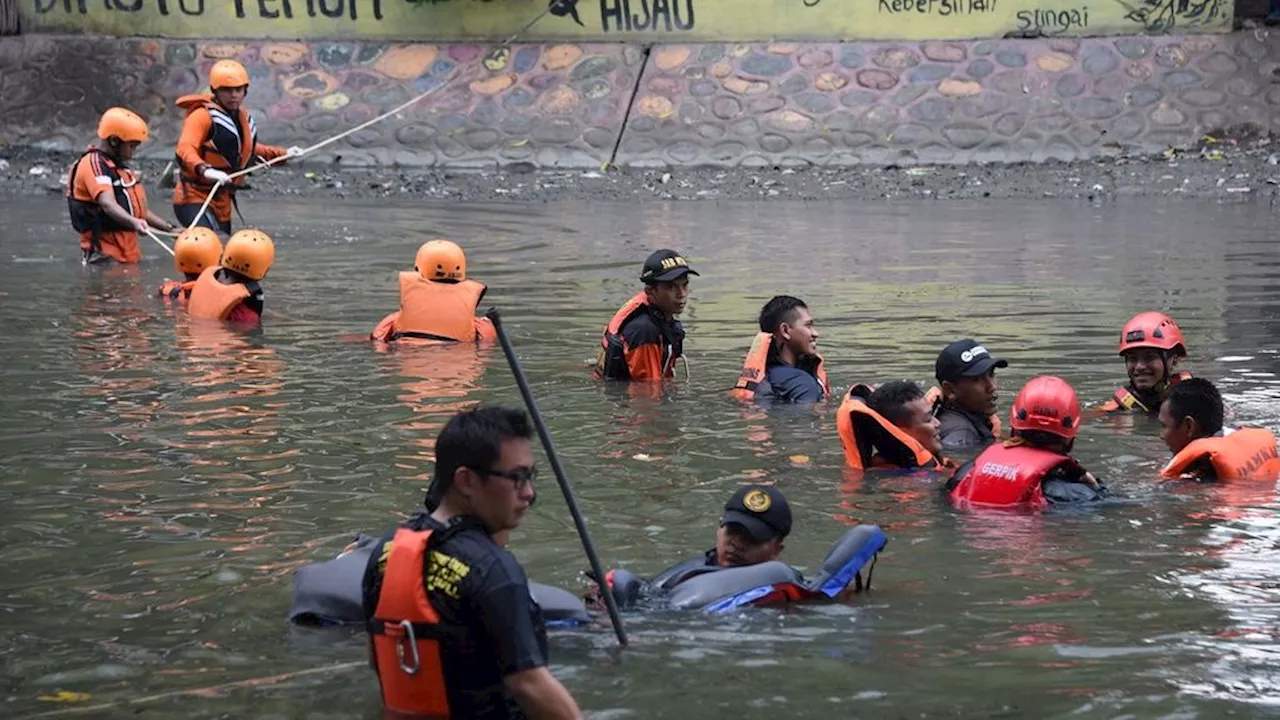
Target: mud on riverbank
1235, 169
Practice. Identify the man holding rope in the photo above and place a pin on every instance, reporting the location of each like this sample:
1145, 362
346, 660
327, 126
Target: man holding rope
219, 138
453, 631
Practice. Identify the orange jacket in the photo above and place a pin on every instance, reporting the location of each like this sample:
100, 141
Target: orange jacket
1244, 454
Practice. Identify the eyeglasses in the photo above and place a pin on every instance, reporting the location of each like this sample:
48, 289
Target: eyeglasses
520, 477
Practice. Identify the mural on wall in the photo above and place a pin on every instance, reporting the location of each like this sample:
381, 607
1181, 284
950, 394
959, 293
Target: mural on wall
611, 20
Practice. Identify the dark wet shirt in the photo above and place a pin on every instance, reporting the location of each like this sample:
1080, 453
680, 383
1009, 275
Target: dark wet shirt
960, 428
790, 384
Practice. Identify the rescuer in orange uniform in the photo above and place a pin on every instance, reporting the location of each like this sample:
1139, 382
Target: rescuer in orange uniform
1151, 344
438, 302
219, 137
195, 250
644, 339
1191, 424
453, 631
232, 292
106, 201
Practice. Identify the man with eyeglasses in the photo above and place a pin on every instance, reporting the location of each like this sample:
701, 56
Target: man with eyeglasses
453, 631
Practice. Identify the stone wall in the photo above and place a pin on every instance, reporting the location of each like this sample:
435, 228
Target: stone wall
584, 105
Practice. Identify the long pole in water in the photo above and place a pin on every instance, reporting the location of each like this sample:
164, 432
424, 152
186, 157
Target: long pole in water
561, 478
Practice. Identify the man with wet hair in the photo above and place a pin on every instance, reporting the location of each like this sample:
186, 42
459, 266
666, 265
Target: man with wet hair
966, 375
643, 340
1191, 424
903, 403
453, 629
787, 347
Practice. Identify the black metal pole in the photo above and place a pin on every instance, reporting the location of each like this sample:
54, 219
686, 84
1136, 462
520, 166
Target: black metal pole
563, 480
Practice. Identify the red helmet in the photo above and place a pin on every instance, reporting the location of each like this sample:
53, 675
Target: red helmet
1152, 330
1049, 404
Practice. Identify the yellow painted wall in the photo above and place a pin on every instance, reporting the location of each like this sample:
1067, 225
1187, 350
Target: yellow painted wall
612, 20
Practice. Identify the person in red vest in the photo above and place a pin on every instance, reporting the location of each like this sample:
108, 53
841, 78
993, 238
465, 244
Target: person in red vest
1152, 346
644, 339
1034, 467
453, 630
1191, 424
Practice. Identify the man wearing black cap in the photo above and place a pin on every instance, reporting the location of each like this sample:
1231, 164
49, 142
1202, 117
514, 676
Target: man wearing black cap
643, 340
753, 525
966, 373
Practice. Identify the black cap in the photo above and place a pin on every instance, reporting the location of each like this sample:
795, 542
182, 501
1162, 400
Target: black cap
761, 509
665, 266
965, 358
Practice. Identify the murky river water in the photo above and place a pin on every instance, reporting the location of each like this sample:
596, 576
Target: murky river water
160, 482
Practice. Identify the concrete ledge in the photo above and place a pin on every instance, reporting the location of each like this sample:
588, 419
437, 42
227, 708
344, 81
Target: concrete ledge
787, 104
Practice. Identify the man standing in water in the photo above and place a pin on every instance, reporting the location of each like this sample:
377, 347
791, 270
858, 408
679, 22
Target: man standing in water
966, 373
783, 364
644, 339
453, 631
1151, 344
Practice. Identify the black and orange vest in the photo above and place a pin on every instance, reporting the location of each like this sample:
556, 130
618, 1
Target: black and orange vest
870, 440
1243, 454
407, 634
755, 367
1004, 475
232, 142
437, 310
612, 361
213, 300
87, 216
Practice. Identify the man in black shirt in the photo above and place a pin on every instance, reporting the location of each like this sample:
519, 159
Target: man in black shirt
475, 646
643, 340
966, 373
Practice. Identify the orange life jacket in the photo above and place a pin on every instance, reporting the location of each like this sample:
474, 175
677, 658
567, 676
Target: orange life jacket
232, 141
1123, 399
934, 396
870, 440
614, 349
176, 290
1243, 454
1004, 475
211, 299
407, 633
755, 367
436, 310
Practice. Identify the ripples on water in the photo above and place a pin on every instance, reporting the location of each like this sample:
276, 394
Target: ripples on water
162, 479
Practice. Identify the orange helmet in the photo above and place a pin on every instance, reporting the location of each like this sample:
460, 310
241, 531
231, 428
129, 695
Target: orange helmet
124, 124
441, 260
196, 249
1152, 330
228, 74
1049, 404
250, 253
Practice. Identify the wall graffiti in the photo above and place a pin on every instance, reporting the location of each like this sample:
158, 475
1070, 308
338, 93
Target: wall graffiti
612, 20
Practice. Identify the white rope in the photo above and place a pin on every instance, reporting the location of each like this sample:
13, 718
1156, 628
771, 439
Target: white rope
159, 242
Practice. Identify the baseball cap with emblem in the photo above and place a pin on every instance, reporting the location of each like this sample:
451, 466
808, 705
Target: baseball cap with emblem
665, 266
761, 509
965, 358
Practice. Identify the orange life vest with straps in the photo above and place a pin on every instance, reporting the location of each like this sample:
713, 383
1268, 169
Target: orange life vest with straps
1004, 475
1123, 399
755, 367
211, 299
870, 440
232, 141
176, 290
614, 349
436, 310
1243, 454
407, 634
934, 396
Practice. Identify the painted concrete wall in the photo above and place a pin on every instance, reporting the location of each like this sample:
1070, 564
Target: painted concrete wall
626, 20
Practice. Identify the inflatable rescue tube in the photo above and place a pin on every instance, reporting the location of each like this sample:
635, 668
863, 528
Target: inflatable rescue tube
721, 589
329, 593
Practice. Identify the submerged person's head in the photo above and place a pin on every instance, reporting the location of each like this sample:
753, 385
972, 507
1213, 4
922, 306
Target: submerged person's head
666, 281
485, 467
1046, 414
966, 372
753, 525
788, 319
1151, 344
1193, 410
903, 403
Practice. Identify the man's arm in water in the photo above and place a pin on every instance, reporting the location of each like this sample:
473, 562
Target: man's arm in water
541, 695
